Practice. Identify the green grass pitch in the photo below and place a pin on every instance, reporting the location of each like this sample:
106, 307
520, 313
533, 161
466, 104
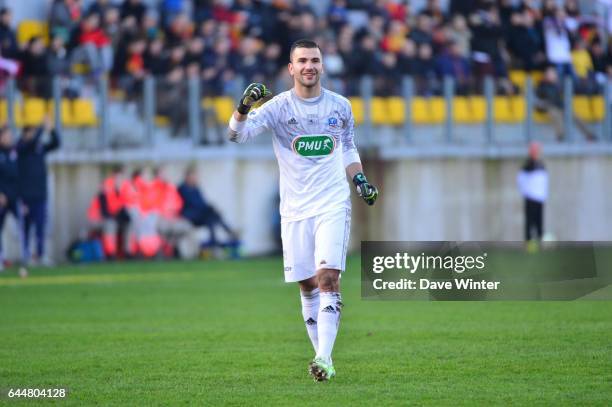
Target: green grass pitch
231, 333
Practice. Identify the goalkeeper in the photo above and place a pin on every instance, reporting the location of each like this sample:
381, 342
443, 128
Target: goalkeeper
312, 131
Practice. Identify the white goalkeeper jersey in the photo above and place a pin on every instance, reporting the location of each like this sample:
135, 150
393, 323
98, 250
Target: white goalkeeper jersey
313, 143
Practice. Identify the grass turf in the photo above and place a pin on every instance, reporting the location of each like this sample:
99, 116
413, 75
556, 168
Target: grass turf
231, 333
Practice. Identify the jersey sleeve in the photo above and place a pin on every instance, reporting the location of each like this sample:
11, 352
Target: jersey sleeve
258, 121
349, 151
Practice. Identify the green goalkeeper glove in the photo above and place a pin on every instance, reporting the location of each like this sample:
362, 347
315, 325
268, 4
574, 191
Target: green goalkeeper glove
367, 191
252, 94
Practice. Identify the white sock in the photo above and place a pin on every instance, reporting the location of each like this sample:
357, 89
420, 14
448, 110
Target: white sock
310, 312
328, 321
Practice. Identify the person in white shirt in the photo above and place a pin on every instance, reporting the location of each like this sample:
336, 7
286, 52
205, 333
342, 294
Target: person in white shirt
557, 41
312, 130
532, 182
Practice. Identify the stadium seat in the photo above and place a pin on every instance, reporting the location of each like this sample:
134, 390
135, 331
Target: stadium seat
19, 122
18, 113
462, 112
518, 78
541, 117
3, 112
65, 112
479, 108
536, 77
502, 110
378, 110
34, 111
224, 108
207, 103
437, 108
582, 108
397, 111
84, 113
420, 111
79, 69
161, 121
519, 106
358, 109
117, 94
598, 108
428, 110
32, 28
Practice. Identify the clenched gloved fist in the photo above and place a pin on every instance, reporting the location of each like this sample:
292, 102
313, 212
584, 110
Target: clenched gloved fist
252, 94
367, 191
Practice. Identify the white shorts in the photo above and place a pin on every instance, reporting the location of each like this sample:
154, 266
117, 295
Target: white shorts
313, 243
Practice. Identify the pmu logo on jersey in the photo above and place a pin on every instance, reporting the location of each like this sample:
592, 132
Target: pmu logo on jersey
314, 145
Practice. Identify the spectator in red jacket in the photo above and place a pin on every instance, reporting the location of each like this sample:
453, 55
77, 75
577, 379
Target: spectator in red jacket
93, 45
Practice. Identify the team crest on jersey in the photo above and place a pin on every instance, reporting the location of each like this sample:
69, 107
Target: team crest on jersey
314, 145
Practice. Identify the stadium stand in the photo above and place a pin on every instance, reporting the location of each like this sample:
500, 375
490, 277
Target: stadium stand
34, 111
31, 28
222, 41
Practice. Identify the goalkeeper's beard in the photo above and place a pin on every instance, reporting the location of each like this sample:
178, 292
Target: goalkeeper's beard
308, 83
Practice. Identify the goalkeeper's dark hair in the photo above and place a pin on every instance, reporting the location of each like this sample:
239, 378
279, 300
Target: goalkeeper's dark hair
303, 43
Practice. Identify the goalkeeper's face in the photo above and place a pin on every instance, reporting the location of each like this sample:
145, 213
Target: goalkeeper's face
306, 66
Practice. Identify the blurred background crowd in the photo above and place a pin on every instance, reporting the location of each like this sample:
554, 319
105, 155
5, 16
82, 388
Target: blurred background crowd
217, 40
133, 74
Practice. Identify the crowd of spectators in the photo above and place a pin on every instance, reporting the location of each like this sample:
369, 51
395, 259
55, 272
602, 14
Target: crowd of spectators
216, 41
